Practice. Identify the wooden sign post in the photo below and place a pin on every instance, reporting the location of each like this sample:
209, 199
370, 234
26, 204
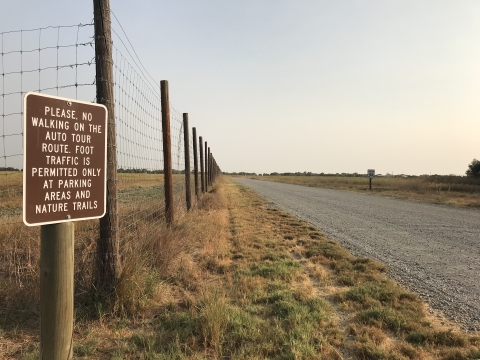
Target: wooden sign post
56, 290
65, 147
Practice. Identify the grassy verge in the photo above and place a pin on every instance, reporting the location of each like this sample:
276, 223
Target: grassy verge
449, 190
240, 279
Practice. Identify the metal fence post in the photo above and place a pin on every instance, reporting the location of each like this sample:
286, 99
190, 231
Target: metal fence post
167, 152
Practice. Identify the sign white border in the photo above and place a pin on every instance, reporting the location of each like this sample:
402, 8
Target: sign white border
25, 157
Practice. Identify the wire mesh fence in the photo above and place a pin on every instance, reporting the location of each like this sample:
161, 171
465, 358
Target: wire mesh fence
56, 60
60, 61
178, 158
52, 60
139, 151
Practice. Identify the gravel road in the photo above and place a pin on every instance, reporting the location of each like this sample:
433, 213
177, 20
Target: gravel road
431, 249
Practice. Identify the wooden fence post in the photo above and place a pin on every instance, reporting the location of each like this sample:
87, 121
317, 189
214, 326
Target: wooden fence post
108, 253
195, 161
212, 172
206, 167
209, 168
214, 168
186, 141
167, 152
56, 290
202, 171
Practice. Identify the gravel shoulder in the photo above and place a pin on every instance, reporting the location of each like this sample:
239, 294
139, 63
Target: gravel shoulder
434, 250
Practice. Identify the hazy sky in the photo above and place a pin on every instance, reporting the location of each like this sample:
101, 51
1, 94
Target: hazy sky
321, 86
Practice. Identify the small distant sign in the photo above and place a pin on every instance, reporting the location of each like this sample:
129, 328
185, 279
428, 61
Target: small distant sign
64, 162
371, 173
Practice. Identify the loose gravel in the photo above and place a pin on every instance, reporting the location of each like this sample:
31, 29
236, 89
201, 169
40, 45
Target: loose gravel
434, 250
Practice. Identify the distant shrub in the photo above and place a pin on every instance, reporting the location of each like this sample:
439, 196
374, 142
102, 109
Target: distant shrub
473, 168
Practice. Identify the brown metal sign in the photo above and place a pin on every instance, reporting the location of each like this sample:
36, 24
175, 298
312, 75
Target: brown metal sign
64, 165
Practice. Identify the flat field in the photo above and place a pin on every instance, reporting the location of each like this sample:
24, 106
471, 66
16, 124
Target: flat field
238, 278
449, 190
131, 188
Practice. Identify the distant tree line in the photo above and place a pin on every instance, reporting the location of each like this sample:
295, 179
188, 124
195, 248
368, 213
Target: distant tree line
240, 173
305, 173
9, 169
145, 171
473, 171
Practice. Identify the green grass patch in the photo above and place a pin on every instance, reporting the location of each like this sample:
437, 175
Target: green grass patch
85, 349
277, 270
430, 337
385, 318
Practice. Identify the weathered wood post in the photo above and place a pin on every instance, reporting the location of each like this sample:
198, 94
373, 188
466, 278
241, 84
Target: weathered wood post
202, 171
215, 168
195, 161
57, 229
108, 254
212, 170
206, 167
215, 174
186, 141
56, 290
167, 152
209, 168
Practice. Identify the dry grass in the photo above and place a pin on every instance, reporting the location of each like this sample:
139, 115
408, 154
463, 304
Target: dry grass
141, 233
237, 279
153, 258
449, 190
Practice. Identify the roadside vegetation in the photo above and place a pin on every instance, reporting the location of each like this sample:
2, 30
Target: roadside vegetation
236, 278
461, 191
